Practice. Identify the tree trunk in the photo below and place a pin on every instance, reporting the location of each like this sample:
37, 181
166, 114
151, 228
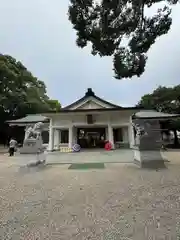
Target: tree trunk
176, 142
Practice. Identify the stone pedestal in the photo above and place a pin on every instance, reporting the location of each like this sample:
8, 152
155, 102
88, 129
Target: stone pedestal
148, 159
33, 143
29, 148
148, 142
32, 146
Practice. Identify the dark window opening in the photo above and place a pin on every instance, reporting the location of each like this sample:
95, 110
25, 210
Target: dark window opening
118, 135
64, 136
45, 137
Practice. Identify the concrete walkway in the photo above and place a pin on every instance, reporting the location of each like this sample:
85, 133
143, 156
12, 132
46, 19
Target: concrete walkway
117, 156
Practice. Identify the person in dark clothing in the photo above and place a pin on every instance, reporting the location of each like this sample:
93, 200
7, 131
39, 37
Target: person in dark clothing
12, 147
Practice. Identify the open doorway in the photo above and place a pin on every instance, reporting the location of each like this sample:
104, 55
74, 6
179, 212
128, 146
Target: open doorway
91, 137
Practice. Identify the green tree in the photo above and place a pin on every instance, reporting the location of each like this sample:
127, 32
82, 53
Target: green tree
165, 99
54, 105
20, 92
120, 28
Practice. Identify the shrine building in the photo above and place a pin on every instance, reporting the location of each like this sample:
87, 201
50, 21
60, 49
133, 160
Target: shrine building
89, 121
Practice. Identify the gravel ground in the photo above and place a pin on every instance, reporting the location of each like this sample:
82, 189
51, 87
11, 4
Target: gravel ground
118, 202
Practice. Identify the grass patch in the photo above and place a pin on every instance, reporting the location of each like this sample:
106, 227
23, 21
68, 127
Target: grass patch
84, 166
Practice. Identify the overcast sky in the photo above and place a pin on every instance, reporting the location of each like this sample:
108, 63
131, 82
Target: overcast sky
38, 33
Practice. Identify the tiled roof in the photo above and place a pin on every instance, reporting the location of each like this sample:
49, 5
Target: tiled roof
32, 118
88, 94
154, 114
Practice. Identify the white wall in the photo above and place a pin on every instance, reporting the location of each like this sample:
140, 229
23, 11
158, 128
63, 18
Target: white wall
79, 119
114, 119
120, 118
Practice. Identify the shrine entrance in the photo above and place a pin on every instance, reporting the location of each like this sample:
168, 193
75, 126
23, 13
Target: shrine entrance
91, 137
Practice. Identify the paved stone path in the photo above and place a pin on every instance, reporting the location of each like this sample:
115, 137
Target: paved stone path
119, 202
117, 156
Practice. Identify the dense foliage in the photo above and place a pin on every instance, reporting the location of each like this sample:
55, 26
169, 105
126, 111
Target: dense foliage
108, 24
164, 99
20, 92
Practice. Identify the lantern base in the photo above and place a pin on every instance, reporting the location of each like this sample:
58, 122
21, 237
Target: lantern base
149, 159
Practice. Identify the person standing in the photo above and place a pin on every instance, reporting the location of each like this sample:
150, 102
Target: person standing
12, 147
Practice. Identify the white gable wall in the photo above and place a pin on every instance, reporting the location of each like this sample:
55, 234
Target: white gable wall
91, 103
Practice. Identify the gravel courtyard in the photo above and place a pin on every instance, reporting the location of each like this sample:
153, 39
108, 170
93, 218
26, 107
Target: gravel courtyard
118, 202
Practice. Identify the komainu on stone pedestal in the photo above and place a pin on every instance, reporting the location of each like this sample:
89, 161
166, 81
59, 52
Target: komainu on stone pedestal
33, 143
148, 142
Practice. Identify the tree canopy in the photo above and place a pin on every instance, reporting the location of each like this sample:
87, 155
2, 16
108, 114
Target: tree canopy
109, 24
54, 105
165, 99
20, 92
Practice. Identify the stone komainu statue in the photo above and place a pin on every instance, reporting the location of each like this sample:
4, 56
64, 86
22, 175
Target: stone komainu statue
33, 140
147, 133
139, 131
34, 132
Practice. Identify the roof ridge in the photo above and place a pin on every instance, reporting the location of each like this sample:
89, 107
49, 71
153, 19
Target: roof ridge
88, 94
